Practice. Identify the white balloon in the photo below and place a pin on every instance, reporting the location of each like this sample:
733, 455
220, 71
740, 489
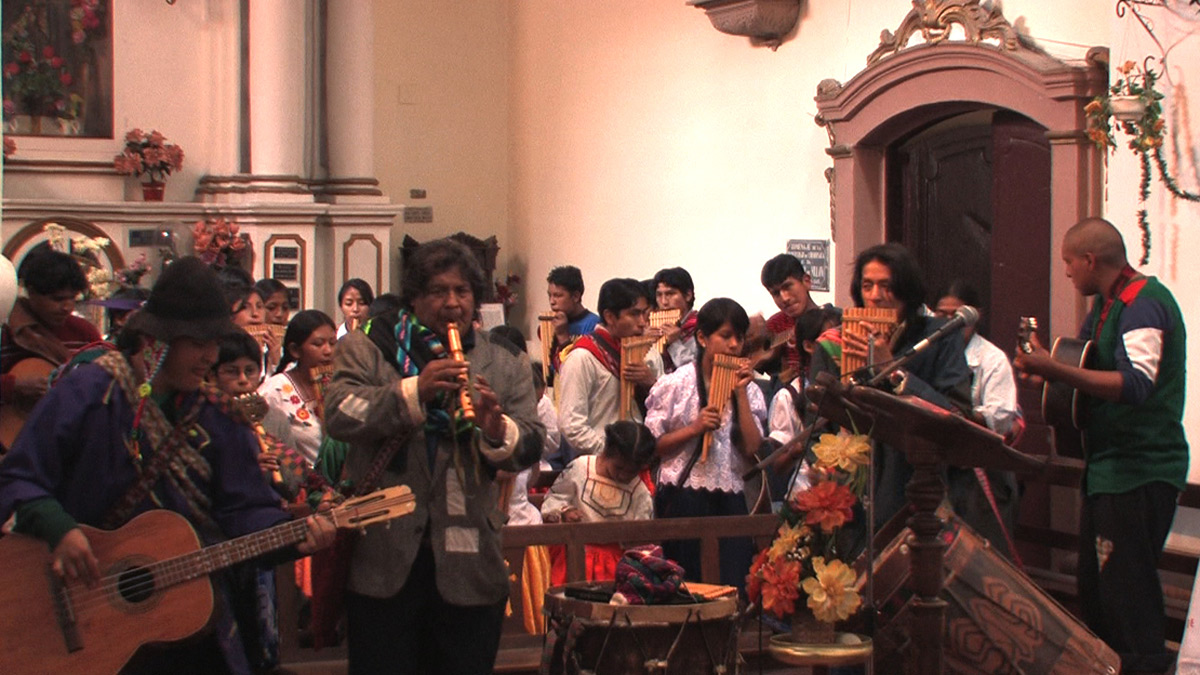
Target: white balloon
8, 287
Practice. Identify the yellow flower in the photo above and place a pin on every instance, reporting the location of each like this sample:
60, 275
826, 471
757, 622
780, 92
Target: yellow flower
830, 590
844, 451
787, 540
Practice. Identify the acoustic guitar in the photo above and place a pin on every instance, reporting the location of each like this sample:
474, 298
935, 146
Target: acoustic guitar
14, 413
1062, 404
154, 586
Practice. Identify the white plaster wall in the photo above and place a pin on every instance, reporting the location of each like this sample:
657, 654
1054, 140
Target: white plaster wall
177, 72
441, 116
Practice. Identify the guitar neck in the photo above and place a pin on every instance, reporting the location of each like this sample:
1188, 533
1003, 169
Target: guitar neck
228, 553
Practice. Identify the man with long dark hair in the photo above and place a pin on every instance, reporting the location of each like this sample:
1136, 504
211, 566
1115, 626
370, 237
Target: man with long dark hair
887, 277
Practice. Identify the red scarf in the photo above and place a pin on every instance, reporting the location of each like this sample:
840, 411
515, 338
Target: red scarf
602, 345
1126, 286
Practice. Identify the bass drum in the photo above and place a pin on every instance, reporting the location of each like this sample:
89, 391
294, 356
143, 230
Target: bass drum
998, 621
596, 637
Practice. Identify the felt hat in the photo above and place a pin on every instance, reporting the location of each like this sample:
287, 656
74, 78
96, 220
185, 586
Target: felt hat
186, 301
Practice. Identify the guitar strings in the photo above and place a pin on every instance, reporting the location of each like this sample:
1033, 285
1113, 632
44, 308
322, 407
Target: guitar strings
82, 597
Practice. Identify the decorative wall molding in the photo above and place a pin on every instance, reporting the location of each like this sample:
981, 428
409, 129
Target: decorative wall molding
349, 244
934, 20
765, 22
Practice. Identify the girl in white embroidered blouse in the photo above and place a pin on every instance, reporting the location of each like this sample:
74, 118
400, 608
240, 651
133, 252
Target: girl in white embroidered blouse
308, 345
679, 416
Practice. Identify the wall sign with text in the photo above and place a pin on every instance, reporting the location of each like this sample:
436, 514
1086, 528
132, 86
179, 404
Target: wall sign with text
814, 253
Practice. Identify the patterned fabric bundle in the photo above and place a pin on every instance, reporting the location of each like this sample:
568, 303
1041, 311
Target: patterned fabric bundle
645, 577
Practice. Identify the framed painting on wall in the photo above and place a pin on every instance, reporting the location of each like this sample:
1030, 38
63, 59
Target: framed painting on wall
58, 68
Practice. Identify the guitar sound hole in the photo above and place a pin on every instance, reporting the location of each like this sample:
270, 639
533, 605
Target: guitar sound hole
136, 584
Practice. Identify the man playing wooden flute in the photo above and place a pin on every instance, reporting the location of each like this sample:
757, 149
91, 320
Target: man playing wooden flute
418, 588
564, 287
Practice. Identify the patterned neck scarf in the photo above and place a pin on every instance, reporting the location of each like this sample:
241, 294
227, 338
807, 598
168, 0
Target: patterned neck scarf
604, 347
417, 345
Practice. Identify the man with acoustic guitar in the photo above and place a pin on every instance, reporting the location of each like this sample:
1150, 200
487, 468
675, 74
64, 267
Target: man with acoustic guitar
41, 333
1136, 450
127, 434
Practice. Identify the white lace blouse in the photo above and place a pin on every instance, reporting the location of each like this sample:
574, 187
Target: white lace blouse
674, 403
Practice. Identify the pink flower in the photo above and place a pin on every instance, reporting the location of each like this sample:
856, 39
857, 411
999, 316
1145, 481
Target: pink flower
134, 136
12, 69
66, 79
24, 56
10, 108
48, 52
175, 157
78, 37
156, 139
56, 62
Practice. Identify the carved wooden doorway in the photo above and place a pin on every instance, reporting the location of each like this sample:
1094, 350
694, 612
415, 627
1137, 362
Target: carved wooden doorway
970, 196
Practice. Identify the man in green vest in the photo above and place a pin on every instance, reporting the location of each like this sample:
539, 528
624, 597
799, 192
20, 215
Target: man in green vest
1137, 455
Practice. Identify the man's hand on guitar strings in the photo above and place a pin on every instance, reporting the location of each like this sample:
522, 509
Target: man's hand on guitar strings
74, 560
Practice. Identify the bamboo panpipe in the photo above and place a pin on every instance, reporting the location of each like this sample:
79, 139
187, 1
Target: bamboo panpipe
724, 377
864, 322
633, 350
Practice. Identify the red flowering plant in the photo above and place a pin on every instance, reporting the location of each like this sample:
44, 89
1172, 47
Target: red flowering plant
801, 567
506, 293
149, 153
36, 76
219, 243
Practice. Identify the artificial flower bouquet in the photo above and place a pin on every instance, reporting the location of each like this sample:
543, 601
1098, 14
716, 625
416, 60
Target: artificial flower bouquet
149, 153
220, 243
803, 563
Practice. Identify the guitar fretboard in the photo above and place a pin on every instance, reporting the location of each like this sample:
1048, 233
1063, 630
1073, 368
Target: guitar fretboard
219, 556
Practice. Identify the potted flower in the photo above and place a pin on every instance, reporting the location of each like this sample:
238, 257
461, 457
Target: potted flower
148, 153
803, 575
1133, 103
220, 243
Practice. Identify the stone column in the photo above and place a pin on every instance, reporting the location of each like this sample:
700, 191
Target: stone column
350, 100
278, 86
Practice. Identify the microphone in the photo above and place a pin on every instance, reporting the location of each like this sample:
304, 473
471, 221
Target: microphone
965, 317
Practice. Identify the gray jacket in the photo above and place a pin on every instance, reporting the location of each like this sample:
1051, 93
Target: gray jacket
367, 402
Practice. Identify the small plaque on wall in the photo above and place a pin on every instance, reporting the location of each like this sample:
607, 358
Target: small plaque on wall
287, 252
285, 271
814, 253
293, 298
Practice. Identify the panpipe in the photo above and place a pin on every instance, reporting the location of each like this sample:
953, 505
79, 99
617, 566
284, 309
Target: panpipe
664, 317
320, 378
720, 387
455, 347
633, 350
864, 322
546, 333
259, 332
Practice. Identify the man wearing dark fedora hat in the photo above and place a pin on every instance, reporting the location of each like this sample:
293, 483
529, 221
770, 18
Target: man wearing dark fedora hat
131, 432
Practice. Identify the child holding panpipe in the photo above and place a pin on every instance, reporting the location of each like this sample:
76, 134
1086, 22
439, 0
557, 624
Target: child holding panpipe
679, 414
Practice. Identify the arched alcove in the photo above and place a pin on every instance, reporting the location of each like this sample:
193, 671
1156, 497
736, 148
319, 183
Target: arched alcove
917, 86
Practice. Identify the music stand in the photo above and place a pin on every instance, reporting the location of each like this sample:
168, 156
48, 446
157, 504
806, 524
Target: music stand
929, 437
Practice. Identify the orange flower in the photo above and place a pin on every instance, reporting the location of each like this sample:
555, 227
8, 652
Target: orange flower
754, 579
826, 504
781, 587
1092, 108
